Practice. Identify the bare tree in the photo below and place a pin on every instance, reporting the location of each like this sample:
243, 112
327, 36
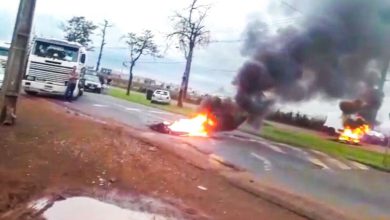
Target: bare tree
79, 29
139, 45
189, 30
103, 29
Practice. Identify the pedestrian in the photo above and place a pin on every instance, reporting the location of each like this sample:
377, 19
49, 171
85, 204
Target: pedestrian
71, 85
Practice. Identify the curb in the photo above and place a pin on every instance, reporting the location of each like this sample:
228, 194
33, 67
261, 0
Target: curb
373, 166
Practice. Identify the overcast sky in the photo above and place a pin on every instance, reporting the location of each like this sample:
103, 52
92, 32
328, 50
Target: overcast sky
213, 67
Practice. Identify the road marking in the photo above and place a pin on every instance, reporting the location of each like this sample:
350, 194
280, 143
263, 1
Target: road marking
318, 163
320, 153
267, 163
275, 148
359, 165
292, 148
339, 164
269, 145
160, 112
99, 105
133, 109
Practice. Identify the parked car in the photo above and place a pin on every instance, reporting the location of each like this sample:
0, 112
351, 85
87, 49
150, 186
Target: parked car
92, 83
161, 96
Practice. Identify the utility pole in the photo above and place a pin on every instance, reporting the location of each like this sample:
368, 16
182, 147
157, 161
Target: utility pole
385, 69
105, 25
16, 62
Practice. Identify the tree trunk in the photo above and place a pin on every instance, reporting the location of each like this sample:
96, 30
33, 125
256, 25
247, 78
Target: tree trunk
186, 76
130, 79
100, 56
101, 49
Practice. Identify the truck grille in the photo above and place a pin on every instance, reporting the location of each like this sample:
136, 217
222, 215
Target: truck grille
49, 72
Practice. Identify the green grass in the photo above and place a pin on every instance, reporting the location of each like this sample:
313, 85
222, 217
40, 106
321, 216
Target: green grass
140, 98
313, 141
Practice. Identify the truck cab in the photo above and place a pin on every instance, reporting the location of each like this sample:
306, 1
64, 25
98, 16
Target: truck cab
49, 63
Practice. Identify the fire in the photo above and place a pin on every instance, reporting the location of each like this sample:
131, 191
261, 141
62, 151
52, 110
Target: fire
200, 125
354, 135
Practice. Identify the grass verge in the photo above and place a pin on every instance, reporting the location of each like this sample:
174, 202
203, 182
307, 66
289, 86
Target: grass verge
140, 98
313, 141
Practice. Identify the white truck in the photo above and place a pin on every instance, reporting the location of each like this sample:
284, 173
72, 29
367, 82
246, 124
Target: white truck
49, 63
4, 49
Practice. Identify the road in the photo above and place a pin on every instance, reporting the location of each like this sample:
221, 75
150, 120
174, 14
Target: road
345, 184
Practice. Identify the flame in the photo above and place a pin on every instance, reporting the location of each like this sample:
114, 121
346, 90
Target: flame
354, 135
200, 125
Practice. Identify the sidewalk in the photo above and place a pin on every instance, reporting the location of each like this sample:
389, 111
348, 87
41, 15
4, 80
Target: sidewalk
54, 152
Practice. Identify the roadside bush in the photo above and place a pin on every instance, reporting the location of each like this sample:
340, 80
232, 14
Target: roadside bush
297, 119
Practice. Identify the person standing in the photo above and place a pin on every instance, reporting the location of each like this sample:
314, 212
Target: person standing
71, 85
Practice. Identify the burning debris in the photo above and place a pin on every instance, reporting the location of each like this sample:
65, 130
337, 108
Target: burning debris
199, 126
215, 115
353, 135
357, 117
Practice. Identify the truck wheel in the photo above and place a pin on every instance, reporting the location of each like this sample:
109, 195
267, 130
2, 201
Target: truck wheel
98, 91
32, 93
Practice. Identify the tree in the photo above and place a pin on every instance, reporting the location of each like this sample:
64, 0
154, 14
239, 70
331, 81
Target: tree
189, 30
103, 30
79, 29
139, 45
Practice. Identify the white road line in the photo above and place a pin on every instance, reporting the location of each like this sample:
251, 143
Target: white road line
359, 165
160, 112
338, 163
133, 109
319, 153
292, 148
269, 145
275, 148
318, 163
266, 162
120, 106
99, 105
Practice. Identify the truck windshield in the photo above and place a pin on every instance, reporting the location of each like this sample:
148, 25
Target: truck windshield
4, 52
55, 51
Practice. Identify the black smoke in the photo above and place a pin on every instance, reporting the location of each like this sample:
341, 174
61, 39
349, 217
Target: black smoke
336, 52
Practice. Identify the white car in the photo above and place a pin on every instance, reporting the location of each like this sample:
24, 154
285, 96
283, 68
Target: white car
92, 83
161, 96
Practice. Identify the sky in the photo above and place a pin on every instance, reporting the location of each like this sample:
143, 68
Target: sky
214, 66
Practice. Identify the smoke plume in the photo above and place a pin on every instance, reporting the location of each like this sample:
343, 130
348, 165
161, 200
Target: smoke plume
338, 52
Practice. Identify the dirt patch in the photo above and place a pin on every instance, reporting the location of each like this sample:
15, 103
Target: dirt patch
52, 152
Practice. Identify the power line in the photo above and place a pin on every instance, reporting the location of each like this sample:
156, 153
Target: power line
288, 5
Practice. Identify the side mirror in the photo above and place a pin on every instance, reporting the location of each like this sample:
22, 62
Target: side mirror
83, 58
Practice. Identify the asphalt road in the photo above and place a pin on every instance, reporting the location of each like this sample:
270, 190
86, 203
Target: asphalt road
345, 184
